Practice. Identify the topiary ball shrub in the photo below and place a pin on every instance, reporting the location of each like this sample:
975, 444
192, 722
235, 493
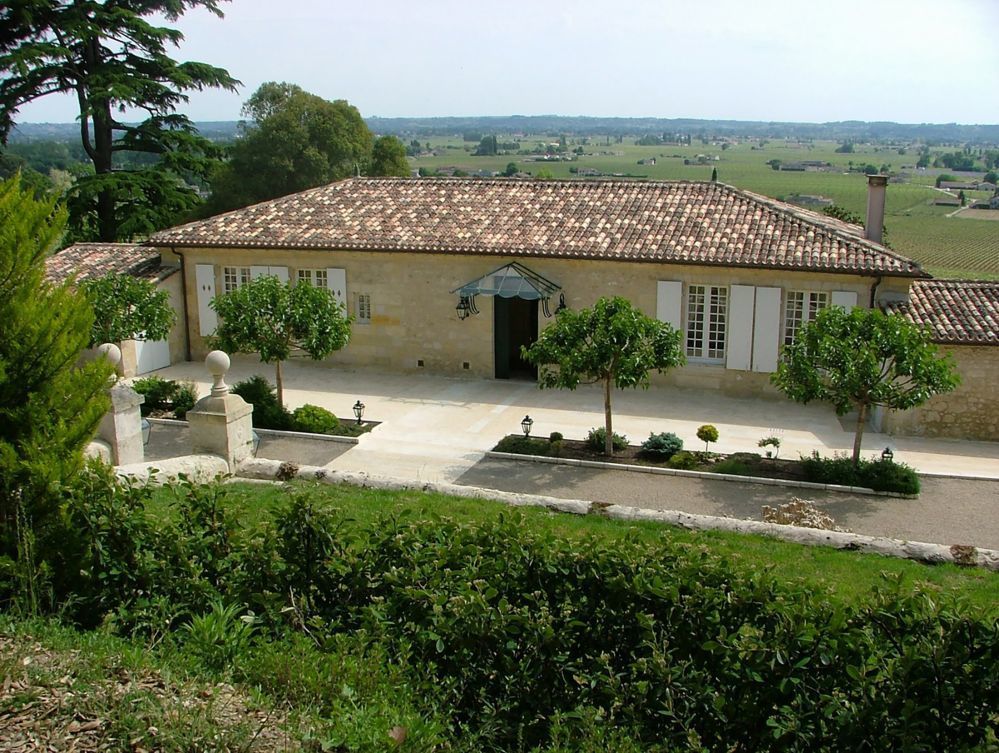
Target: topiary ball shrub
684, 461
268, 413
595, 440
159, 393
555, 436
184, 399
315, 420
662, 446
707, 434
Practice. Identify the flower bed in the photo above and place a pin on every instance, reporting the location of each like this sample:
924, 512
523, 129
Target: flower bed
877, 474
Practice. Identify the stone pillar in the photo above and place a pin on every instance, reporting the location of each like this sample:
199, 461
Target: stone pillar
121, 427
221, 423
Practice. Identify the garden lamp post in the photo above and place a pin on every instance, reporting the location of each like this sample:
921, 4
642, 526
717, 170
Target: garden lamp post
887, 455
358, 411
526, 425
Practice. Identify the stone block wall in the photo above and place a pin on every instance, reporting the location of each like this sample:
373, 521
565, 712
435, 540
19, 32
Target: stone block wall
969, 412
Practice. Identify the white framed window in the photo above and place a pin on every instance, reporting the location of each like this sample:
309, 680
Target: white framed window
234, 277
802, 307
363, 312
707, 314
317, 278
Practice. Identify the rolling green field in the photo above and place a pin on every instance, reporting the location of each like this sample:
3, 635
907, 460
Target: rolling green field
945, 246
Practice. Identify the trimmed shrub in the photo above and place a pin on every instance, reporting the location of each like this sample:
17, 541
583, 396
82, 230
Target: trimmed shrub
268, 413
521, 445
707, 434
312, 418
684, 461
733, 466
662, 446
555, 436
595, 440
879, 475
184, 399
159, 393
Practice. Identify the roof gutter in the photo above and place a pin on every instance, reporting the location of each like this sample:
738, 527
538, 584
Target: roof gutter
183, 290
874, 289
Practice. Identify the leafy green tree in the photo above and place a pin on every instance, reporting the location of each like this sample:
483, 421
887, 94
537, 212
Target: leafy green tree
291, 141
111, 58
388, 157
127, 308
861, 359
991, 177
49, 406
275, 319
612, 343
511, 169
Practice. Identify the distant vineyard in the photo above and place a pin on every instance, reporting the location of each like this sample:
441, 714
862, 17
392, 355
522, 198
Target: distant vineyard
948, 247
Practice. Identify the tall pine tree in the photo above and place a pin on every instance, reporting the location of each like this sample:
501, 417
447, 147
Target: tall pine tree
112, 59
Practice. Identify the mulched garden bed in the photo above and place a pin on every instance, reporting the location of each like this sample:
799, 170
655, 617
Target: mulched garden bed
739, 463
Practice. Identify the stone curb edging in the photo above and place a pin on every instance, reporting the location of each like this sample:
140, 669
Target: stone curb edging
656, 470
271, 432
914, 550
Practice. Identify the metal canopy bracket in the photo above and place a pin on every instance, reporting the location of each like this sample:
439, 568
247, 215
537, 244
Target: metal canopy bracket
513, 280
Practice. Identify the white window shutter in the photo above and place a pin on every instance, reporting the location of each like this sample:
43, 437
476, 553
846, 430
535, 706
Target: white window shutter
256, 272
669, 299
766, 330
336, 280
846, 299
739, 349
204, 277
280, 272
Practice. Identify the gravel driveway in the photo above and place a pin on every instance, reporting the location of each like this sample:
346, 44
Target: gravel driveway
948, 511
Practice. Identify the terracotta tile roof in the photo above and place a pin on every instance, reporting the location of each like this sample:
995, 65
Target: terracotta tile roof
959, 312
674, 221
87, 260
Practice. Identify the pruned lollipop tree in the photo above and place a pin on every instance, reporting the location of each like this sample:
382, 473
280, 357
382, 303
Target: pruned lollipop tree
613, 344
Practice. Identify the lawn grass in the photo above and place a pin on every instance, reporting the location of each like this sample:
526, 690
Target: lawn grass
847, 576
946, 247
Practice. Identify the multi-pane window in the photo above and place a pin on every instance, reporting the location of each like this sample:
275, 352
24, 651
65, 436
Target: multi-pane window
317, 278
363, 308
233, 277
802, 307
707, 311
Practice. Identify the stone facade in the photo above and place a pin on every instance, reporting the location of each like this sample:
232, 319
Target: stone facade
412, 311
970, 412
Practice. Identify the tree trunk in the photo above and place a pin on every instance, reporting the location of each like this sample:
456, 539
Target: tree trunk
608, 427
858, 438
279, 378
100, 113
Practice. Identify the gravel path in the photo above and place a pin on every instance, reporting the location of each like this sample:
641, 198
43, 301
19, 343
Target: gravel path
948, 511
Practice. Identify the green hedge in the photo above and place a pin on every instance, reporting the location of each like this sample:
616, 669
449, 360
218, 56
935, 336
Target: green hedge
512, 628
879, 475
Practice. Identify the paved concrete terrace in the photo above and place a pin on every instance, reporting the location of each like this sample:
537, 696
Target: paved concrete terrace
437, 428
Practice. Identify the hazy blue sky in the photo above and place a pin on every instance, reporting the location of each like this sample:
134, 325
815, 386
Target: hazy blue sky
806, 60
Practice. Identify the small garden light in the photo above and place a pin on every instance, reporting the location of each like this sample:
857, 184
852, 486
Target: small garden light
526, 425
887, 455
146, 429
358, 411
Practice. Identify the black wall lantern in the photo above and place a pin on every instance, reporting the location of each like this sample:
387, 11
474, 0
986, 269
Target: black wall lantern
887, 455
358, 411
526, 425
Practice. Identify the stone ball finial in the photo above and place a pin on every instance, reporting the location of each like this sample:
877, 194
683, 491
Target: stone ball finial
111, 352
218, 364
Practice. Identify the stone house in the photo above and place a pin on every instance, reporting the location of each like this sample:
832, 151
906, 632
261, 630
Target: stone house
453, 276
93, 260
963, 318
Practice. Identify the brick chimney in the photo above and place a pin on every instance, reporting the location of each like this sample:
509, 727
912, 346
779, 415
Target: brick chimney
876, 187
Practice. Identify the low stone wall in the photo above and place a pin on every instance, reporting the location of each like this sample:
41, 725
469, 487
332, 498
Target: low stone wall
969, 412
